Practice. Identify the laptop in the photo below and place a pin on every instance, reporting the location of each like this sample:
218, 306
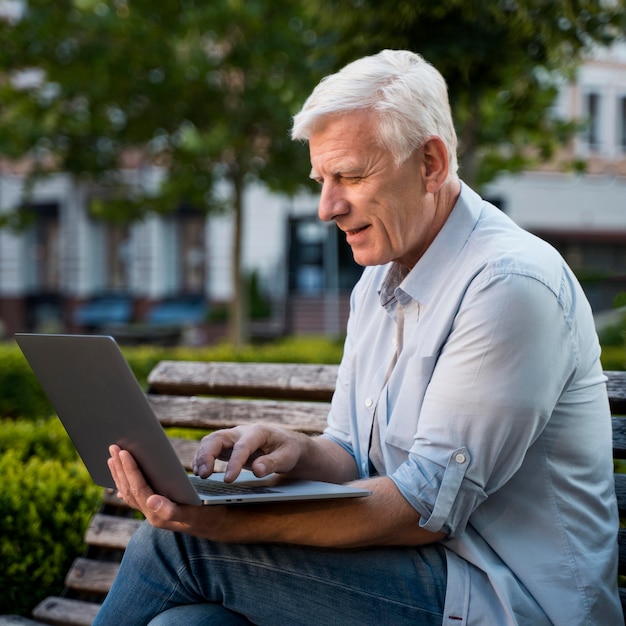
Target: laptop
99, 401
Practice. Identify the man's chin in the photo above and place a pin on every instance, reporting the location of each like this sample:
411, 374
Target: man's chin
366, 260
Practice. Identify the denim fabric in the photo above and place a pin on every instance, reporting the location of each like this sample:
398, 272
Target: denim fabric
172, 575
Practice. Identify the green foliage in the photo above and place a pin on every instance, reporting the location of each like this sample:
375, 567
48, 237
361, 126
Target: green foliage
258, 304
614, 335
291, 350
503, 62
190, 85
614, 357
43, 438
46, 501
20, 393
613, 340
308, 349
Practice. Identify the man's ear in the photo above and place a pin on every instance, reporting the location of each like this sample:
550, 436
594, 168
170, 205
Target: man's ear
434, 166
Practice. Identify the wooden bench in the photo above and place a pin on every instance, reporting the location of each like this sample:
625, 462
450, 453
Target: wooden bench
207, 396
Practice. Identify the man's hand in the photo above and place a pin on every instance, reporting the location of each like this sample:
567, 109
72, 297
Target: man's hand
262, 449
158, 510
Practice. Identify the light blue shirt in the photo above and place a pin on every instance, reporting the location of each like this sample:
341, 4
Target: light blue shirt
494, 423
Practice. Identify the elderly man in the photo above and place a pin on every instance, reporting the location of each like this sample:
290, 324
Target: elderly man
470, 401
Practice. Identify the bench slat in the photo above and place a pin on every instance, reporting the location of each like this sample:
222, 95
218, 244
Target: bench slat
91, 576
619, 437
110, 531
270, 380
621, 540
620, 492
185, 450
66, 612
215, 413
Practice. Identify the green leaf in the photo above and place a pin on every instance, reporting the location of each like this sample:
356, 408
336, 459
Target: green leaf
620, 300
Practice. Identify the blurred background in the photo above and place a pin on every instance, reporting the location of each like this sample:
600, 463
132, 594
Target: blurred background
149, 189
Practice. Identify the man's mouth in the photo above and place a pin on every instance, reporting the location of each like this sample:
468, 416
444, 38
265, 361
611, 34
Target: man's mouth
349, 233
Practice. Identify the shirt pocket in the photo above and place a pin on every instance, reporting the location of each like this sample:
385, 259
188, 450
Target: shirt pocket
404, 397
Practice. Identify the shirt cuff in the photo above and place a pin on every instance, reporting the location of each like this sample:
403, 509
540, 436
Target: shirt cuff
440, 494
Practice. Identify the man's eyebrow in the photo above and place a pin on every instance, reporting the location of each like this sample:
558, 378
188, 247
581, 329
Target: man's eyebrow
348, 170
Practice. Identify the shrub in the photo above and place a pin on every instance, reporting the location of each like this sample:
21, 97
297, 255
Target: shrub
21, 393
613, 358
46, 501
43, 438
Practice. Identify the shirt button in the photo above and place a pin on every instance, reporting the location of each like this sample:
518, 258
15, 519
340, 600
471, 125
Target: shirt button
369, 402
460, 458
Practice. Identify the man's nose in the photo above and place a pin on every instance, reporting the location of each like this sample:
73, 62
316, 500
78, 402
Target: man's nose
332, 202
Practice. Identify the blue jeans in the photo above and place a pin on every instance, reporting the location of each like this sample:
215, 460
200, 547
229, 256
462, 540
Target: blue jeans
168, 579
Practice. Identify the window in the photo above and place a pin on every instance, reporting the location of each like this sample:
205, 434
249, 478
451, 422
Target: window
621, 126
593, 119
117, 253
191, 246
43, 262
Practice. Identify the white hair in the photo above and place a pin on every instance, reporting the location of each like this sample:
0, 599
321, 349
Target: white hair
407, 93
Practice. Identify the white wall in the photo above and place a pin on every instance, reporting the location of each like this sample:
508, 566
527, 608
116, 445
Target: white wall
562, 201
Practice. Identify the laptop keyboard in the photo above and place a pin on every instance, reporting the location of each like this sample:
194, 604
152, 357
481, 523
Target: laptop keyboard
214, 488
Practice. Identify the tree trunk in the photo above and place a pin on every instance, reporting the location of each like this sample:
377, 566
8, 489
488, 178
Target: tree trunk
469, 143
238, 331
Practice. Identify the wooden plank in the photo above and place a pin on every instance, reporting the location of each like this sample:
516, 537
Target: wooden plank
66, 612
215, 413
616, 387
621, 540
111, 531
185, 450
89, 575
620, 492
619, 437
261, 380
110, 499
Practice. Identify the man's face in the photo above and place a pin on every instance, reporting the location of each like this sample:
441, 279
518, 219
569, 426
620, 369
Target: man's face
383, 208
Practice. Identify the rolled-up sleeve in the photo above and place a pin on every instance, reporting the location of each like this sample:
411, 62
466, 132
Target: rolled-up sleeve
453, 500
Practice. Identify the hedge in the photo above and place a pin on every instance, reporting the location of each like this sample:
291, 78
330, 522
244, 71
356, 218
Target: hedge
46, 501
